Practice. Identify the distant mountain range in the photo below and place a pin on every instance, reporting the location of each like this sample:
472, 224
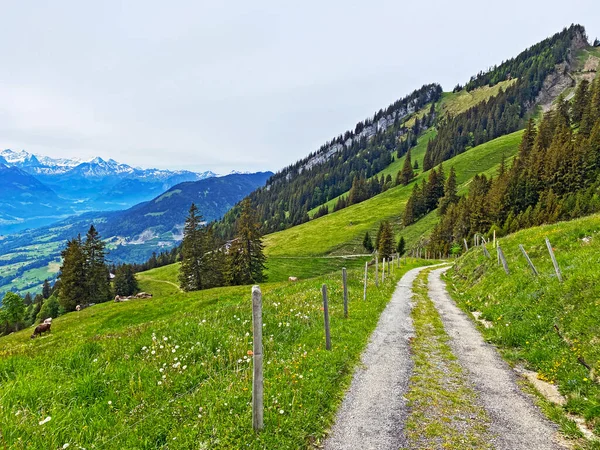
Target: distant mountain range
38, 190
132, 235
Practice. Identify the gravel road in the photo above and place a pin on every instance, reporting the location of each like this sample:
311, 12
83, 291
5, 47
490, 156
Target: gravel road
516, 422
373, 412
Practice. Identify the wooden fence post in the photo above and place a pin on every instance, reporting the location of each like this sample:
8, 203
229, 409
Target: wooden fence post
503, 259
485, 251
345, 281
376, 270
383, 270
466, 245
533, 269
326, 316
257, 357
366, 273
556, 268
494, 238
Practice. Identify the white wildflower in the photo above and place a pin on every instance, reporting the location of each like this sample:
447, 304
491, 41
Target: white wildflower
46, 420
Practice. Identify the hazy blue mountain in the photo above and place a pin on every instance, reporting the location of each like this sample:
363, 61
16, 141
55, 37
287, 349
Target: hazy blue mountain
131, 235
81, 186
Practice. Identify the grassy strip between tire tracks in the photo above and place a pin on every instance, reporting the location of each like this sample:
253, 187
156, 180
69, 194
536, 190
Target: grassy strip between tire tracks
443, 406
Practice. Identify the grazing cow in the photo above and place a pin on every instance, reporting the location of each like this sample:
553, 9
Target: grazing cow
78, 308
41, 328
48, 320
293, 279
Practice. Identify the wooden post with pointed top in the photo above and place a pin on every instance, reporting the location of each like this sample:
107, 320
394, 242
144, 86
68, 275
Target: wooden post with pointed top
466, 245
366, 273
345, 282
533, 269
326, 317
257, 357
554, 261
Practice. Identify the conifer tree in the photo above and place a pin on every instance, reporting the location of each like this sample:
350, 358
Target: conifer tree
580, 101
125, 282
401, 248
96, 270
246, 259
386, 240
407, 174
450, 192
368, 243
192, 269
73, 277
46, 289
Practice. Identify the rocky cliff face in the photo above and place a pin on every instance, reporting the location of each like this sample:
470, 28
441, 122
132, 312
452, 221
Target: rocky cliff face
562, 78
382, 124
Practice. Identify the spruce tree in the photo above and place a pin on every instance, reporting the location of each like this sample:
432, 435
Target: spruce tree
386, 240
125, 282
192, 252
246, 259
407, 174
580, 101
46, 289
368, 243
98, 278
450, 192
73, 277
401, 248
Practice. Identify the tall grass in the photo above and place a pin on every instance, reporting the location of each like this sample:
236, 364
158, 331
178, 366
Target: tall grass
525, 309
174, 371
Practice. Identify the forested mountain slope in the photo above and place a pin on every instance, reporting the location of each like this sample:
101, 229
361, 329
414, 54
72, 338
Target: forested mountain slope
493, 103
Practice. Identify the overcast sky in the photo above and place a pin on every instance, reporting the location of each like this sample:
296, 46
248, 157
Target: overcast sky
246, 85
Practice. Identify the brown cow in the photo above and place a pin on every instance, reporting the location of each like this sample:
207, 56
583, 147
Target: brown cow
41, 328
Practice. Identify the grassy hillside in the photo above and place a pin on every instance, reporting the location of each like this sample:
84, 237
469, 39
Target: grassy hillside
343, 230
523, 309
174, 371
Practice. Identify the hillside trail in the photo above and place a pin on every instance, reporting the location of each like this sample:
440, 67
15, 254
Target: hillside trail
164, 281
516, 423
374, 411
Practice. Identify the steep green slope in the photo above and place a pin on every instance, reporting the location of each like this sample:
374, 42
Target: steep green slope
174, 371
523, 310
343, 230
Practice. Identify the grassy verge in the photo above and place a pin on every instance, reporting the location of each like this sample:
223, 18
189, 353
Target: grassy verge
443, 409
174, 371
524, 309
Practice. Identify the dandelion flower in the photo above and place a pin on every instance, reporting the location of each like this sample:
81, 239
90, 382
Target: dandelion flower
159, 383
110, 402
281, 411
